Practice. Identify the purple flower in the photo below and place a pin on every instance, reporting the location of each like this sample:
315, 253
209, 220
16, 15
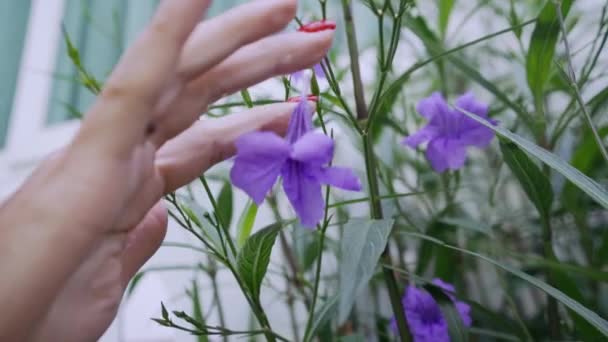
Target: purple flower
317, 69
449, 132
301, 159
424, 317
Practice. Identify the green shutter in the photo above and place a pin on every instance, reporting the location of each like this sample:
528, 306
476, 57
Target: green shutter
13, 25
99, 29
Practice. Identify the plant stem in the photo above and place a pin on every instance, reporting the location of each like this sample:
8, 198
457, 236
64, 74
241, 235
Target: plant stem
376, 210
216, 295
316, 284
572, 78
219, 219
353, 51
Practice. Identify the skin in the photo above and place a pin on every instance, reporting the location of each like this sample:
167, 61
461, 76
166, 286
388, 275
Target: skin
90, 216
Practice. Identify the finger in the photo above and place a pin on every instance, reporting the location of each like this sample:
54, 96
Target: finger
266, 58
217, 38
144, 241
210, 141
133, 89
272, 56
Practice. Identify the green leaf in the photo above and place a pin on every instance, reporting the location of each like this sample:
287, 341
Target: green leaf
247, 98
246, 222
254, 257
362, 245
164, 312
191, 215
594, 319
445, 9
539, 60
586, 184
324, 314
306, 247
224, 205
198, 310
456, 328
533, 181
134, 282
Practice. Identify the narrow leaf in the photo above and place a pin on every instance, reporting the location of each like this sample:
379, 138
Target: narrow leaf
198, 310
586, 184
539, 60
134, 282
246, 222
445, 9
594, 319
533, 181
224, 205
361, 247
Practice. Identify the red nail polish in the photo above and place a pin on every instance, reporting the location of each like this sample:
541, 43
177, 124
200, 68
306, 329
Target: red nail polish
310, 97
318, 26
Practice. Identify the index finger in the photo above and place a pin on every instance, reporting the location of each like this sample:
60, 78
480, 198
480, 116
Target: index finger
143, 72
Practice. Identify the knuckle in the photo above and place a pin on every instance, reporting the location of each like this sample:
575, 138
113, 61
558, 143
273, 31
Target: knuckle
283, 12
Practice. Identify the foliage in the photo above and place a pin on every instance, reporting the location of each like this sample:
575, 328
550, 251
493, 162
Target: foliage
520, 230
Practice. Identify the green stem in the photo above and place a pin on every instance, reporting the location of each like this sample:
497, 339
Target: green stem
219, 218
376, 210
315, 292
216, 294
552, 310
353, 50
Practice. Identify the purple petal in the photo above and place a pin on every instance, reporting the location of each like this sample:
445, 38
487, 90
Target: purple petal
424, 316
313, 148
300, 122
468, 103
340, 177
318, 70
423, 135
296, 76
464, 311
304, 193
444, 153
447, 287
432, 106
259, 159
476, 135
471, 132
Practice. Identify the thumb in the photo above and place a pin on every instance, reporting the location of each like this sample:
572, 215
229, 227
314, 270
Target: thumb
144, 241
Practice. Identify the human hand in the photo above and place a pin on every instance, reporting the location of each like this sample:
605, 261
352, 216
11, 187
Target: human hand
89, 217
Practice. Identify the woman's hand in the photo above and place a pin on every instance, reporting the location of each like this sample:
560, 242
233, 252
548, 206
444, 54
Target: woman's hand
89, 217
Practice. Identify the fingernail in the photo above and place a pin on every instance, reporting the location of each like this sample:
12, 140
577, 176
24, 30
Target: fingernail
310, 97
318, 26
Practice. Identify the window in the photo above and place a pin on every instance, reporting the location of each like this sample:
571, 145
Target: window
100, 30
13, 26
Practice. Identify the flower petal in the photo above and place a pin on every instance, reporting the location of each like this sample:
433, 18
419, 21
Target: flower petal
304, 193
259, 160
424, 316
300, 122
479, 136
468, 102
423, 135
432, 106
464, 311
340, 177
318, 70
445, 154
313, 148
471, 132
296, 76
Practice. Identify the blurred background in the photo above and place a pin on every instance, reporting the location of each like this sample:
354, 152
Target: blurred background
40, 98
